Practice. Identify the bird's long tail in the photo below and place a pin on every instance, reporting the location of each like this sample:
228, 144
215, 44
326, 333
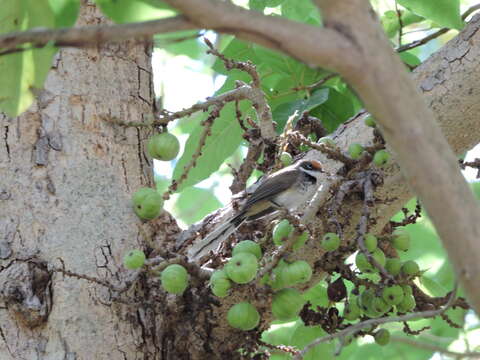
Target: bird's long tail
217, 236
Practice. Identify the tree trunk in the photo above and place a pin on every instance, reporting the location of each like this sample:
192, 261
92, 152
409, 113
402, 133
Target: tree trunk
67, 174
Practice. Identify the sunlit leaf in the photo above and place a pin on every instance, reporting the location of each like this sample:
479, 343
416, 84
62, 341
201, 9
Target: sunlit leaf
24, 71
224, 140
125, 11
443, 12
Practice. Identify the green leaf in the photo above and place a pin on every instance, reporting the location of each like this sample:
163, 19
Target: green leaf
391, 24
239, 51
224, 140
280, 332
336, 110
409, 58
317, 296
285, 110
25, 71
444, 12
258, 5
194, 203
304, 335
65, 11
181, 43
125, 11
303, 11
433, 288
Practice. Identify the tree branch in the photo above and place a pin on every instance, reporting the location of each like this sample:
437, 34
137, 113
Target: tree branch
362, 325
423, 153
88, 35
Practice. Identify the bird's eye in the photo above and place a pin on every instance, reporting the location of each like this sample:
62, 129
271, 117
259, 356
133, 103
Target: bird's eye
308, 166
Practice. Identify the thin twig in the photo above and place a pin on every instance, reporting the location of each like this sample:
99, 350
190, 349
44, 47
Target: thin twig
333, 153
363, 226
352, 330
207, 128
257, 96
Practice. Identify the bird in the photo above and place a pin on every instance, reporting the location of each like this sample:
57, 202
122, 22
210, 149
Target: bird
288, 188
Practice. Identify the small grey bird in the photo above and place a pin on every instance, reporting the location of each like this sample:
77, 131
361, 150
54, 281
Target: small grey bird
288, 188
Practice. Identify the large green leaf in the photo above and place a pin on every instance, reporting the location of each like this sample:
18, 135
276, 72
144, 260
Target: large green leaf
285, 110
303, 11
125, 11
224, 140
65, 11
194, 203
443, 12
25, 71
333, 112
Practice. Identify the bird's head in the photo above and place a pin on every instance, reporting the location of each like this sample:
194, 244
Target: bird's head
311, 167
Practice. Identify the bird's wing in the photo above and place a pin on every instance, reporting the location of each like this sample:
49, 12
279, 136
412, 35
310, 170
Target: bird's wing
268, 189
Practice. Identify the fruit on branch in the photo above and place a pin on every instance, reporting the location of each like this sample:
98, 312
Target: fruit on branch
286, 158
352, 311
296, 273
174, 279
330, 241
362, 263
355, 151
243, 316
393, 295
380, 306
287, 303
393, 266
379, 256
248, 246
282, 231
220, 283
147, 203
382, 337
164, 146
364, 301
401, 239
407, 304
407, 289
370, 242
277, 281
134, 259
381, 158
301, 240
370, 121
410, 268
242, 268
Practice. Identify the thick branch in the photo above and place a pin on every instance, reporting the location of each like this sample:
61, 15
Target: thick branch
423, 153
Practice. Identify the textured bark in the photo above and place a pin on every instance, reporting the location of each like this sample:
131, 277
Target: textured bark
67, 175
66, 179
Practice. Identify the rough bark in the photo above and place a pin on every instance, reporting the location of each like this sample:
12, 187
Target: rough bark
66, 179
69, 199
